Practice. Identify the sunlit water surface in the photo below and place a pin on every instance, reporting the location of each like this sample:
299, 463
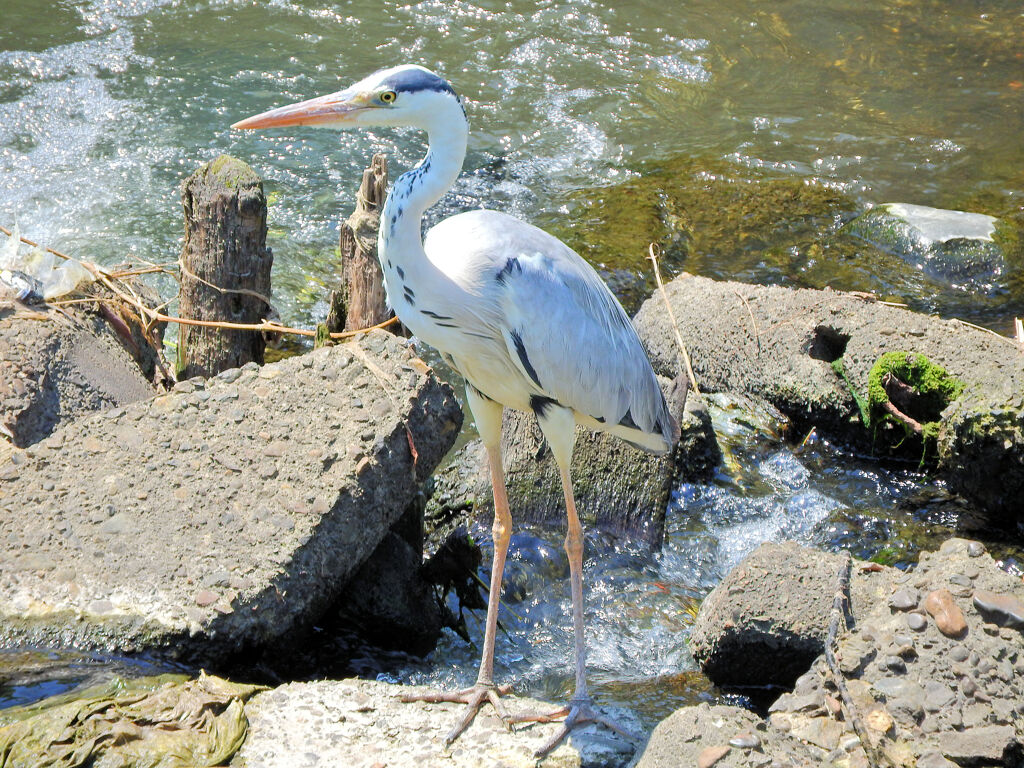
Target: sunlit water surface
106, 105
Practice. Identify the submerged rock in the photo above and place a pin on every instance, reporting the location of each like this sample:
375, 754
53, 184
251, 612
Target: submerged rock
618, 488
224, 516
954, 245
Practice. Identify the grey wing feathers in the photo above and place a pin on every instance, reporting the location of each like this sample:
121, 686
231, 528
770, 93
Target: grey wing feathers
581, 348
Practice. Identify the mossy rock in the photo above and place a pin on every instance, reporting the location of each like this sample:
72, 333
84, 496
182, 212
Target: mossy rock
931, 387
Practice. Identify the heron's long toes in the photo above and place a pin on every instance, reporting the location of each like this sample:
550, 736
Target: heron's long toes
474, 698
579, 712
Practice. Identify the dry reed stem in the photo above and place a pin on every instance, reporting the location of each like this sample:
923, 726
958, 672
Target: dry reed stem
876, 757
653, 250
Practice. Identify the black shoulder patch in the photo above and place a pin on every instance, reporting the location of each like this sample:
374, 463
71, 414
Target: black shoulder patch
627, 421
511, 266
521, 351
540, 404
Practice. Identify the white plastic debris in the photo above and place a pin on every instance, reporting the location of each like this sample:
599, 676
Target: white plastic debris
36, 269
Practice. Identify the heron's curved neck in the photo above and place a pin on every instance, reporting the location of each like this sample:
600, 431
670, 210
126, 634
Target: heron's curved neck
416, 190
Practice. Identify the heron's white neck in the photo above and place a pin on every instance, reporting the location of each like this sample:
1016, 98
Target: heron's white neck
400, 241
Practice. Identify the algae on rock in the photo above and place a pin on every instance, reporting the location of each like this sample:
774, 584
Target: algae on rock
153, 722
908, 389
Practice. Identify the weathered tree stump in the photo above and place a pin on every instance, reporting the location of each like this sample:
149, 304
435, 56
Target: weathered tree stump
225, 267
361, 301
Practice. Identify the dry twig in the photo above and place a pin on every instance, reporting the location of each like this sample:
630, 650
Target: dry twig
876, 757
150, 316
653, 250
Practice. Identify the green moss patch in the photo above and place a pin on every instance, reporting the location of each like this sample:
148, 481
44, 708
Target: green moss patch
918, 389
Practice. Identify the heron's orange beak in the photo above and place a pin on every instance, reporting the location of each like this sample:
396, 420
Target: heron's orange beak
332, 109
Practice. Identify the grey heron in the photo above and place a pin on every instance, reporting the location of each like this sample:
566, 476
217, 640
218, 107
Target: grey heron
524, 319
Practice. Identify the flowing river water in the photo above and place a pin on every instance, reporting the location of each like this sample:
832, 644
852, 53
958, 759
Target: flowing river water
106, 105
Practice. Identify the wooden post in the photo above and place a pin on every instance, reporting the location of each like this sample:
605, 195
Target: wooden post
225, 267
361, 301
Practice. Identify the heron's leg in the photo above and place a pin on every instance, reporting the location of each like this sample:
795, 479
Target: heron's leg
488, 418
560, 437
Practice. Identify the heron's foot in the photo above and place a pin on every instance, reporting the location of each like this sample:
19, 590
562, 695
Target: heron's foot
474, 698
579, 712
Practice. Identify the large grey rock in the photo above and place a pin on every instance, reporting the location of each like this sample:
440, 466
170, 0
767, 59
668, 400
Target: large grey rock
778, 344
361, 724
766, 622
56, 366
925, 699
223, 516
618, 488
928, 694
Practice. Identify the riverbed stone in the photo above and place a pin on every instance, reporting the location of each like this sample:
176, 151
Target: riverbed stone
143, 524
767, 620
56, 366
693, 735
1004, 610
780, 344
362, 723
618, 488
952, 701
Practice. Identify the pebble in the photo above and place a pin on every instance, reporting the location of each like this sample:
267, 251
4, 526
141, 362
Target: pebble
937, 696
1004, 610
947, 614
879, 720
904, 599
205, 597
968, 686
958, 653
745, 740
711, 755
894, 664
118, 524
975, 549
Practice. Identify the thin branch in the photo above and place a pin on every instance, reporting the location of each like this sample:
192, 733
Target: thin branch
653, 251
902, 418
266, 325
753, 322
876, 757
244, 291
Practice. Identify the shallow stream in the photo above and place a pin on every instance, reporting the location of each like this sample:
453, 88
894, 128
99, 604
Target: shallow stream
106, 105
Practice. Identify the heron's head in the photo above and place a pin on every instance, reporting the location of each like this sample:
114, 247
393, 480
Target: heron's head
408, 95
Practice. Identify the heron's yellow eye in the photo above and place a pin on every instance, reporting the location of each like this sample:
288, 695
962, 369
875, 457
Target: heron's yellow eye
388, 97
